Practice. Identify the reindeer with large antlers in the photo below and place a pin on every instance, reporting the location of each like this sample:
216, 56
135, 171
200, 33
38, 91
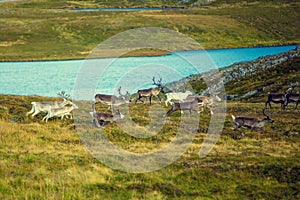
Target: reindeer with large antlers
111, 100
251, 122
151, 92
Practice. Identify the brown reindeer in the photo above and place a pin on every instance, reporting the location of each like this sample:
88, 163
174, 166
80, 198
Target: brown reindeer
251, 122
188, 105
100, 119
292, 98
112, 99
151, 92
275, 98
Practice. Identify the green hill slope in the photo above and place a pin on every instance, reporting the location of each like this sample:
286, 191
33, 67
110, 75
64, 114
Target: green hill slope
69, 34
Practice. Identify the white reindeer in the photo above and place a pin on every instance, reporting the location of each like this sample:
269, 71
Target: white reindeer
181, 96
38, 107
60, 112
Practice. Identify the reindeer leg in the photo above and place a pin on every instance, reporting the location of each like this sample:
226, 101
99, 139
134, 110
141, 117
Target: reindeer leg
202, 109
150, 99
234, 133
138, 99
108, 108
268, 103
46, 117
31, 111
169, 111
196, 110
210, 108
35, 113
159, 99
96, 123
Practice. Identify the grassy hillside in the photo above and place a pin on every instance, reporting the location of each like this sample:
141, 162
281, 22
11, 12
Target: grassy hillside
275, 79
51, 30
48, 160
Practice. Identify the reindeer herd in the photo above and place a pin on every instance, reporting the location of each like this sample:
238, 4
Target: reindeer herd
254, 123
179, 101
186, 102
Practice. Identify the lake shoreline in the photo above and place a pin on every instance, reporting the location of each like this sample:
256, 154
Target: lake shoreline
140, 54
238, 69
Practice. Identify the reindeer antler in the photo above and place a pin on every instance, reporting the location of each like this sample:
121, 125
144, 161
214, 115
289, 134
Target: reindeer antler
159, 81
119, 90
122, 95
263, 111
63, 95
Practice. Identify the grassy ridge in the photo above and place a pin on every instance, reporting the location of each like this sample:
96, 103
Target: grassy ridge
48, 161
31, 31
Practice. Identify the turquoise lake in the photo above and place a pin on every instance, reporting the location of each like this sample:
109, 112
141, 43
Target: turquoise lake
47, 78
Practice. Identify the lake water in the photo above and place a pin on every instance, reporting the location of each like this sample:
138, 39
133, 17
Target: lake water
47, 78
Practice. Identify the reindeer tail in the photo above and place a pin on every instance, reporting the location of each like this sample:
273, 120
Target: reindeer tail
233, 117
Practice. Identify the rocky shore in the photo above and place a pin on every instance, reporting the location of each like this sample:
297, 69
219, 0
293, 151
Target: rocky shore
234, 72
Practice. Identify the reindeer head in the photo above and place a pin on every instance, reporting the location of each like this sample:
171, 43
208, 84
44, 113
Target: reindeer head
158, 84
74, 105
126, 96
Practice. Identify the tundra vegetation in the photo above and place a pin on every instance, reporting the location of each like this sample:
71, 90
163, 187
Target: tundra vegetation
42, 160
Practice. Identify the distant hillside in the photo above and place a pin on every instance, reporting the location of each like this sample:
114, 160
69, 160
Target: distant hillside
71, 34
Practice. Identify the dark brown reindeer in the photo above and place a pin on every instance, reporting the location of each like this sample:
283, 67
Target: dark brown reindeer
292, 98
251, 122
189, 105
111, 100
275, 98
100, 119
151, 92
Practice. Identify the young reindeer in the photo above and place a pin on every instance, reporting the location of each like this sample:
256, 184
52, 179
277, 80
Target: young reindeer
151, 92
192, 105
251, 122
60, 112
112, 99
101, 118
